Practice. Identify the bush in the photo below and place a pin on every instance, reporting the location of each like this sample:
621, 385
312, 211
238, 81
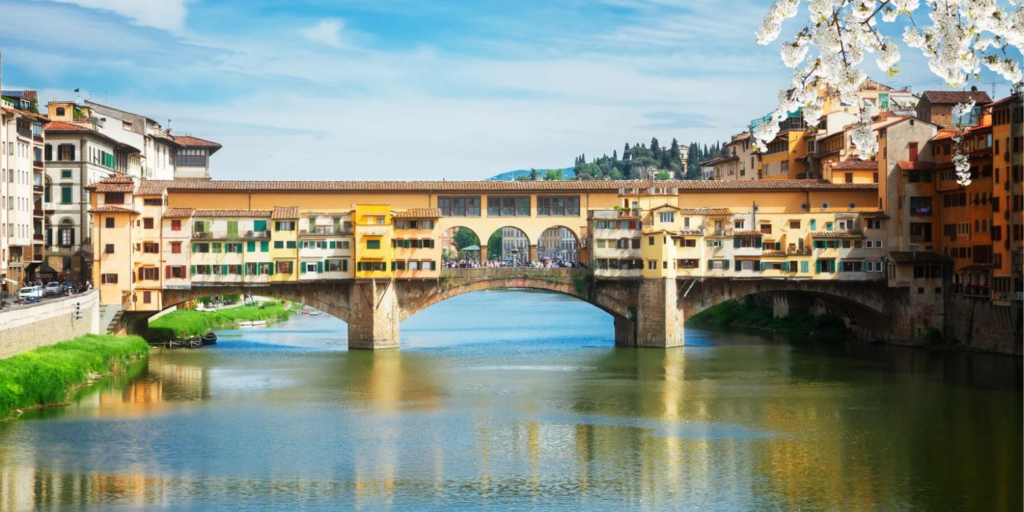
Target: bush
745, 312
185, 324
46, 375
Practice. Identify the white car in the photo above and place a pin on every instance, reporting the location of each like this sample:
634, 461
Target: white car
29, 292
53, 288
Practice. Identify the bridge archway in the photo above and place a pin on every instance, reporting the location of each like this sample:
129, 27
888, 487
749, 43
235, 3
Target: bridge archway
456, 239
558, 243
509, 244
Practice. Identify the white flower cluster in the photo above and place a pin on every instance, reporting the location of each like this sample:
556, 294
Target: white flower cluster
863, 135
961, 162
827, 53
962, 109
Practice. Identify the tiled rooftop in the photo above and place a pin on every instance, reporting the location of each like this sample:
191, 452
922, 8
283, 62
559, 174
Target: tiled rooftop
953, 97
419, 213
285, 212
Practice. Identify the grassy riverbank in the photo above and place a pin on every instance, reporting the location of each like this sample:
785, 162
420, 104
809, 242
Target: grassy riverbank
746, 313
184, 324
49, 375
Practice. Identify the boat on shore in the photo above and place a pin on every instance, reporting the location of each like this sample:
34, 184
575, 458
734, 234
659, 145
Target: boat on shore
209, 339
256, 323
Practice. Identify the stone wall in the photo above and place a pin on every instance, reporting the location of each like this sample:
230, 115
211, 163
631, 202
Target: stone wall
49, 322
980, 325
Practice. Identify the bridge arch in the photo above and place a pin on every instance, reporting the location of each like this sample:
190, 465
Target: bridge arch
331, 298
559, 243
513, 242
456, 238
615, 301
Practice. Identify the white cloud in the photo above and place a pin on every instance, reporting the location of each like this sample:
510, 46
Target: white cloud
163, 14
326, 32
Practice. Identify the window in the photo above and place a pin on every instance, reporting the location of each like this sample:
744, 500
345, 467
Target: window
108, 279
666, 217
200, 248
109, 222
373, 244
459, 206
794, 224
150, 247
284, 267
738, 224
113, 198
310, 267
150, 201
65, 195
175, 247
149, 274
108, 249
66, 152
278, 244
766, 229
147, 223
650, 240
65, 174
175, 225
558, 206
652, 265
290, 244
284, 225
508, 206
190, 158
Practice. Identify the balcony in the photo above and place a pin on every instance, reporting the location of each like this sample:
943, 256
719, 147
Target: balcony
254, 235
38, 189
39, 237
38, 164
924, 211
323, 230
38, 213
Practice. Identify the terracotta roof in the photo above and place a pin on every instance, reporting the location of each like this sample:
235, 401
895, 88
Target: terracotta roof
178, 213
741, 137
690, 232
711, 212
152, 187
241, 213
111, 209
113, 183
915, 166
473, 186
919, 257
60, 126
874, 215
419, 213
194, 142
285, 212
953, 97
837, 234
851, 164
747, 233
1009, 99
773, 254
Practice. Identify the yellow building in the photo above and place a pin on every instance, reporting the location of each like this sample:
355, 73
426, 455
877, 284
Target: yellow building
374, 251
284, 243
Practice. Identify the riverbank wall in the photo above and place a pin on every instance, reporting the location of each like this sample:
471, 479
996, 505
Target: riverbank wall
51, 321
981, 326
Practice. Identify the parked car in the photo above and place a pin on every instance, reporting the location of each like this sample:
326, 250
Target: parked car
67, 285
31, 292
53, 288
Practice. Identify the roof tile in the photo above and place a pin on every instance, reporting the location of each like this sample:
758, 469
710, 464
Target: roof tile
285, 212
419, 213
474, 186
953, 97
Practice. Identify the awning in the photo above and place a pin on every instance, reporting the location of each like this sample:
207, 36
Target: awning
470, 248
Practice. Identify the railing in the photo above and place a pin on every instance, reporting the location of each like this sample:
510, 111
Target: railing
37, 212
38, 237
256, 234
806, 251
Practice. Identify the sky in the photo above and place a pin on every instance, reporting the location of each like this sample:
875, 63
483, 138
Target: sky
410, 89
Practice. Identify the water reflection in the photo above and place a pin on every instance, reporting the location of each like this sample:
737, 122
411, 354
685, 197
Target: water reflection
532, 418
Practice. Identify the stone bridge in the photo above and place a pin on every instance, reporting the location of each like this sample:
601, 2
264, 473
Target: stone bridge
647, 312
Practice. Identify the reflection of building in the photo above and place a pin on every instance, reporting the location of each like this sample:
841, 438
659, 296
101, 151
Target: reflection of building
558, 244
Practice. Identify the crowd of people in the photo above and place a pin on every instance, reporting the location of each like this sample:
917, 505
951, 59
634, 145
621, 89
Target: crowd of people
511, 263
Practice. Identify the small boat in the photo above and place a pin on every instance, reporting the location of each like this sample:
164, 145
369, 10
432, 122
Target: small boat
209, 339
258, 323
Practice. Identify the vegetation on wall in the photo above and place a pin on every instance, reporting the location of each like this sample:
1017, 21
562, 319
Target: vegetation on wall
49, 375
746, 313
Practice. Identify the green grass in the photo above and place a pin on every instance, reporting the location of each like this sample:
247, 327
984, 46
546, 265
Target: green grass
184, 324
746, 314
47, 375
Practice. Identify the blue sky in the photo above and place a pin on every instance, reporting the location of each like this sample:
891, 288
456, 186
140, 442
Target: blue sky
403, 89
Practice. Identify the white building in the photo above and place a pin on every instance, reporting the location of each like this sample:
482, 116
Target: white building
21, 190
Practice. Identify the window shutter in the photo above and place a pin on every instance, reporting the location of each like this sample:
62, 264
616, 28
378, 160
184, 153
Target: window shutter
320, 267
725, 264
259, 225
167, 272
709, 262
264, 246
302, 267
757, 242
736, 242
708, 243
192, 269
332, 244
344, 265
72, 236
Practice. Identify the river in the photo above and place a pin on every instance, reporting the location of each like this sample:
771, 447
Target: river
513, 400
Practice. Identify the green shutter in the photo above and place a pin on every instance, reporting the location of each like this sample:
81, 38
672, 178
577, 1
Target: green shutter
193, 269
757, 266
224, 270
710, 264
803, 267
65, 195
320, 267
736, 242
259, 225
264, 246
708, 242
344, 265
757, 242
215, 248
312, 224
337, 225
725, 264
251, 246
232, 229
302, 267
